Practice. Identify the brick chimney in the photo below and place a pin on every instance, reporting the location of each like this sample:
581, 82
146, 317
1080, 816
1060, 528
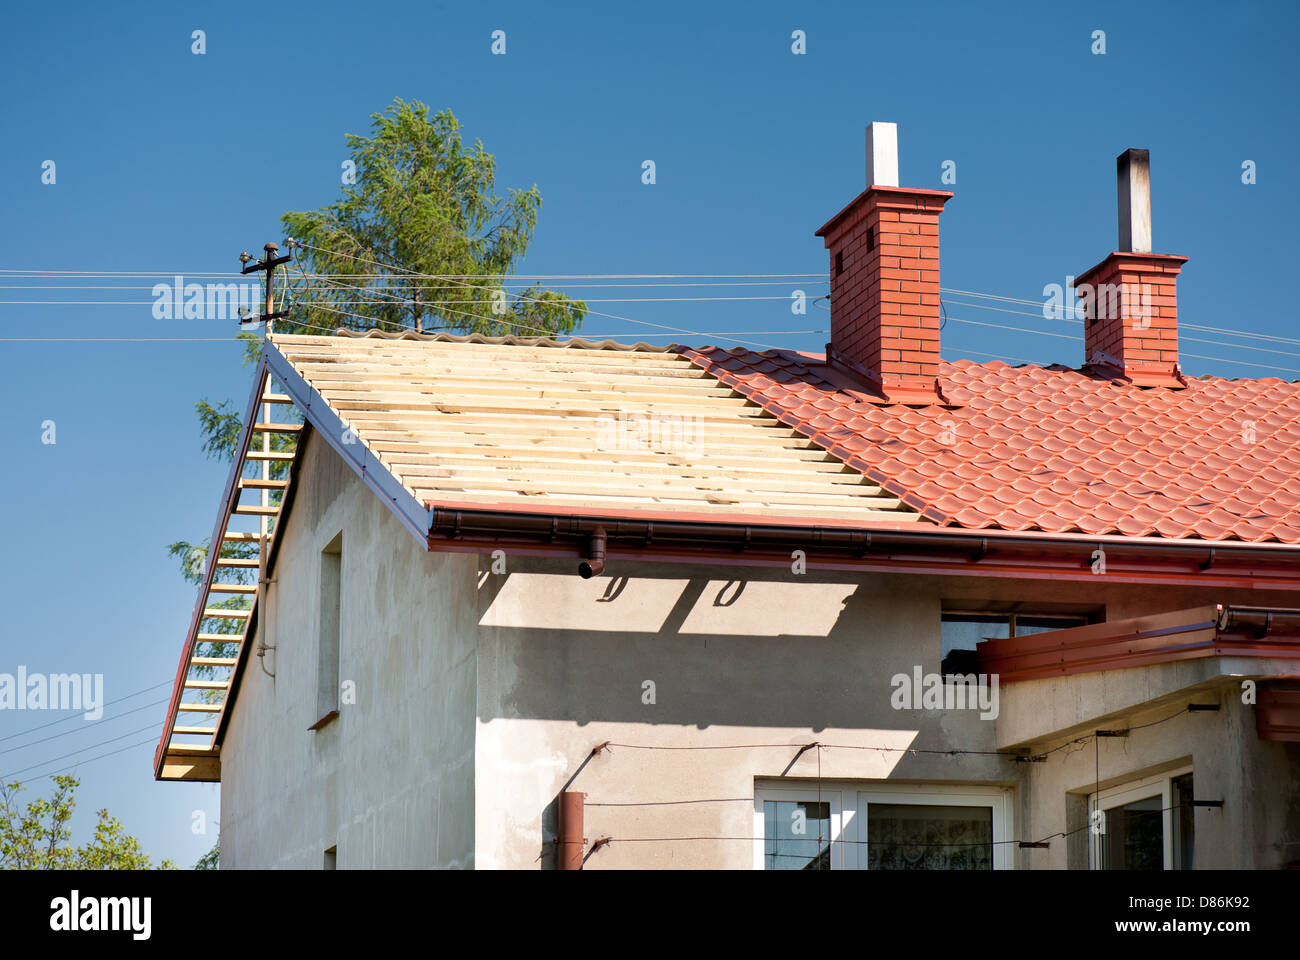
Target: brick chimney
1130, 300
884, 260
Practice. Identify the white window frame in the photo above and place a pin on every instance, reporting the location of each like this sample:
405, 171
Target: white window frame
832, 797
1159, 784
849, 824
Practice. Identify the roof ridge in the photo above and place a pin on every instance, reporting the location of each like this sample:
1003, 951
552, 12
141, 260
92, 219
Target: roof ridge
574, 343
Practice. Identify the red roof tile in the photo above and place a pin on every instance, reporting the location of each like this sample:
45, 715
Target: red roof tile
1053, 449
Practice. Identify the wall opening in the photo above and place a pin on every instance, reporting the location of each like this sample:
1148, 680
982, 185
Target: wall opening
331, 583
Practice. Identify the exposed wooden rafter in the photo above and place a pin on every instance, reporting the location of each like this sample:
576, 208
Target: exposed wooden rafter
225, 612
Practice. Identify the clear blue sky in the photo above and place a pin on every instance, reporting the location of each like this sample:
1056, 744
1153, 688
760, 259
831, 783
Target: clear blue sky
172, 162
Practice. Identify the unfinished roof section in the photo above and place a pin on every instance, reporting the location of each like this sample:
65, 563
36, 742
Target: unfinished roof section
574, 427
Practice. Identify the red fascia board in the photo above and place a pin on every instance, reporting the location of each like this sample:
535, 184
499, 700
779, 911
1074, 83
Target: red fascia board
933, 551
966, 536
872, 564
1139, 641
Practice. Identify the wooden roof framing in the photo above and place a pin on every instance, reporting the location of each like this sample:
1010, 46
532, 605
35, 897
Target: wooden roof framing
472, 422
225, 613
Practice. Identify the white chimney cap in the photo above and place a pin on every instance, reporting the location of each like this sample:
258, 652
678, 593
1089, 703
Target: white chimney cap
1133, 182
882, 154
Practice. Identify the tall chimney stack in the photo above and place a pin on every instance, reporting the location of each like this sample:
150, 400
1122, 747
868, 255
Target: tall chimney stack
1133, 186
884, 262
1130, 299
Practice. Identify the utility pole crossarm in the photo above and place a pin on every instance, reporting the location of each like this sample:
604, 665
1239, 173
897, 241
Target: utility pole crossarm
267, 265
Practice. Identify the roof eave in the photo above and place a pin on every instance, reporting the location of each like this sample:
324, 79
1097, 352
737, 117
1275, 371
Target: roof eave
886, 547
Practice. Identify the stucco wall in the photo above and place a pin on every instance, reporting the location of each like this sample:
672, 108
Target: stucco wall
390, 781
783, 659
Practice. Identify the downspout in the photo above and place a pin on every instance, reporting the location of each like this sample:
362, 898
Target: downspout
569, 842
596, 551
262, 645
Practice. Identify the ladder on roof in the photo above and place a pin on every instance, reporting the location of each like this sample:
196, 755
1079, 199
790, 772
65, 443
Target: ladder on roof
233, 579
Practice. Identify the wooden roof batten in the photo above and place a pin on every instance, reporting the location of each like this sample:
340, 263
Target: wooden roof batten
442, 419
178, 756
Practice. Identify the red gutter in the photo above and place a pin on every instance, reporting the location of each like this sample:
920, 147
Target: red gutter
886, 548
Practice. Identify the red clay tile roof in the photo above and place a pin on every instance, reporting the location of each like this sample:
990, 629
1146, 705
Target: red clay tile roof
1053, 449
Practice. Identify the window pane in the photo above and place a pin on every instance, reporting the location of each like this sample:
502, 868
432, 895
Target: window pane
1135, 836
1027, 625
928, 837
796, 835
1184, 824
963, 631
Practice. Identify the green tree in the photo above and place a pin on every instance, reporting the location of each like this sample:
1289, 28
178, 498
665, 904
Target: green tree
210, 860
39, 836
421, 241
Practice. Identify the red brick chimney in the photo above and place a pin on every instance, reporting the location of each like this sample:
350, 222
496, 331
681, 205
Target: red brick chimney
884, 256
1130, 300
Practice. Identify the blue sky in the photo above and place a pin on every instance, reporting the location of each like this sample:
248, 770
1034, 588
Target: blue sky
172, 162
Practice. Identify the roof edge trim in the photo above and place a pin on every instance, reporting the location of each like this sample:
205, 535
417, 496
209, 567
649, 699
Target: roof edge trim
316, 411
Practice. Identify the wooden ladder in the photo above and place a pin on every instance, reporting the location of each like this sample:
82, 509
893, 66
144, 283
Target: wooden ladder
210, 673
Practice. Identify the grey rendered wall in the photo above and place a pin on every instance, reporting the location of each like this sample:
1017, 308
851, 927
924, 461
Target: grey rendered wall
776, 658
390, 780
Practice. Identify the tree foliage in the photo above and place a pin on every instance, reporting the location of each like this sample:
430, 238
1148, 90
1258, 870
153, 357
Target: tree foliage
38, 837
421, 240
210, 860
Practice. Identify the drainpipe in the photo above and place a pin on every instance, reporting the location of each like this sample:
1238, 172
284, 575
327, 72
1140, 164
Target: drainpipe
268, 600
570, 842
596, 550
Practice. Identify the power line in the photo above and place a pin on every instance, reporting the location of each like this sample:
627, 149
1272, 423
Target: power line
437, 304
769, 346
828, 746
1003, 326
82, 763
402, 283
120, 339
416, 276
14, 773
502, 321
53, 723
597, 313
735, 279
68, 733
994, 356
446, 304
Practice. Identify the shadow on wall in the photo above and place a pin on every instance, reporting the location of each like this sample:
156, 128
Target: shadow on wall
800, 652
